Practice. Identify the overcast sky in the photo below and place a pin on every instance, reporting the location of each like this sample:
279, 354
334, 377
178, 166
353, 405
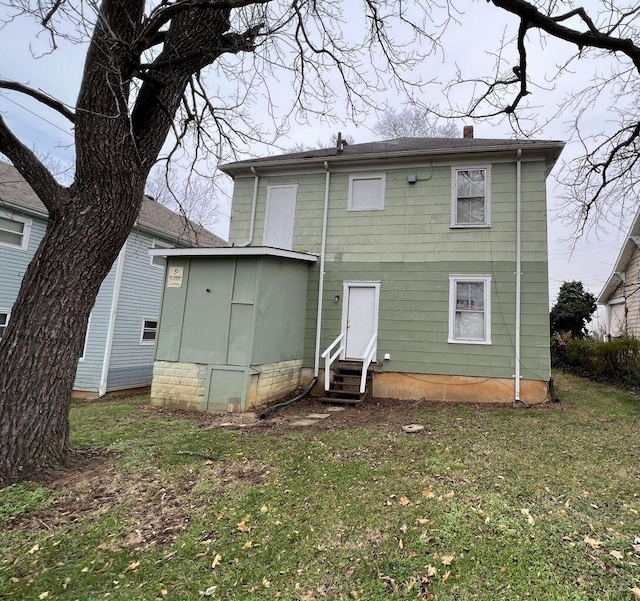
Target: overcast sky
469, 46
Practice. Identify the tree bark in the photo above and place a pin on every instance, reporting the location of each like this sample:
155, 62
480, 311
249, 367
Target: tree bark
39, 354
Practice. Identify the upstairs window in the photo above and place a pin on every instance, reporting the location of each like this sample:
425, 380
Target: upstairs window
471, 197
4, 320
14, 231
366, 192
149, 330
470, 309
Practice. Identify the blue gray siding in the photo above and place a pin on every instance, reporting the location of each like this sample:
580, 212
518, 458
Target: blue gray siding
131, 363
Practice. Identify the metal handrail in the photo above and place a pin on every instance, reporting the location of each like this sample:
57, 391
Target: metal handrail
366, 360
329, 359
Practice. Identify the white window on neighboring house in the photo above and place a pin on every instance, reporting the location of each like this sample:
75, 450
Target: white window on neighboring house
159, 261
280, 216
470, 309
366, 192
86, 340
14, 230
149, 330
471, 196
4, 320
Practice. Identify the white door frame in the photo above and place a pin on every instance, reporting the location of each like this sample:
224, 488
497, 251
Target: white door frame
375, 284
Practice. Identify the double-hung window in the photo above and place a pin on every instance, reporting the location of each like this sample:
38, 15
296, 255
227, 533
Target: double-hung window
470, 309
149, 330
471, 196
366, 192
4, 320
14, 230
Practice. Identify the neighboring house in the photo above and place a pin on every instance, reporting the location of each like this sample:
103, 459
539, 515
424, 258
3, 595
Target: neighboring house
621, 293
427, 256
120, 342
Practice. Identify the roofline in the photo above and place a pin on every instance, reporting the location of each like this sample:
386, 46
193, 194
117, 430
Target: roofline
234, 251
143, 226
608, 287
273, 163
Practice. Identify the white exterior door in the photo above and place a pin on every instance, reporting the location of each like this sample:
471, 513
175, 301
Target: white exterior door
359, 316
280, 216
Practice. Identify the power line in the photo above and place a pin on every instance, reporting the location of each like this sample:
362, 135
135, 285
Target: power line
36, 114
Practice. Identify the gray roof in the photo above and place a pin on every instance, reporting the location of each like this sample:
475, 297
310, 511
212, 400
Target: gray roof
154, 218
401, 148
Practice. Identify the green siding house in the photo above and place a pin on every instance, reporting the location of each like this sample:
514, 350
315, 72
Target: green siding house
424, 256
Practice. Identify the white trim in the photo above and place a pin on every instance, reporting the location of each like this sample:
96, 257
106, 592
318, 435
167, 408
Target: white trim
155, 243
235, 251
102, 390
144, 342
375, 284
487, 195
26, 229
367, 176
453, 280
86, 341
7, 312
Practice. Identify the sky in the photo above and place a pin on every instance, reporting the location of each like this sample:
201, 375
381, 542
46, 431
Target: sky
469, 45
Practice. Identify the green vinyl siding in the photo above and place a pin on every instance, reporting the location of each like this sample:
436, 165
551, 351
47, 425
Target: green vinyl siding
414, 317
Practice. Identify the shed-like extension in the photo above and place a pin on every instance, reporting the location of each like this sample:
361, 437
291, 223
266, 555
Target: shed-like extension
232, 325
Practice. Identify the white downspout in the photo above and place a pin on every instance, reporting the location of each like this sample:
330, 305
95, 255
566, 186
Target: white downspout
323, 247
252, 226
102, 390
518, 269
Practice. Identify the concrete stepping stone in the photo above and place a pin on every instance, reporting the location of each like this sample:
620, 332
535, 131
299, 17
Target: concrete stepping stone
319, 415
304, 422
411, 428
335, 409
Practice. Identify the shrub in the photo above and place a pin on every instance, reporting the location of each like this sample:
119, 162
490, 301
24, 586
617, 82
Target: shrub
617, 361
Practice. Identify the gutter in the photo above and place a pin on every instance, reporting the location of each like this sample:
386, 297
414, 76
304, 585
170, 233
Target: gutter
518, 272
323, 249
102, 390
252, 226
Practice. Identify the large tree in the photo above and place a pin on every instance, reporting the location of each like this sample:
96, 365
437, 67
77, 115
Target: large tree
600, 107
145, 79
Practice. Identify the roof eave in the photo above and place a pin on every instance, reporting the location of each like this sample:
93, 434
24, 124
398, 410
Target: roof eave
552, 152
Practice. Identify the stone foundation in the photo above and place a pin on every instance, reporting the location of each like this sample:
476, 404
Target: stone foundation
434, 387
178, 385
273, 380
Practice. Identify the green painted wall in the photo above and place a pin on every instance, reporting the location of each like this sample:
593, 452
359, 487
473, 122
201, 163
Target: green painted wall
414, 317
234, 311
411, 248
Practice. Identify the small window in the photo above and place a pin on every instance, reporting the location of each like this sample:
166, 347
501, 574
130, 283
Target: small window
14, 231
4, 320
470, 197
159, 261
470, 309
149, 330
86, 340
366, 192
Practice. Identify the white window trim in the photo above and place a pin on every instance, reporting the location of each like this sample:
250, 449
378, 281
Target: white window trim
25, 232
454, 197
453, 280
159, 244
358, 176
142, 329
8, 312
86, 341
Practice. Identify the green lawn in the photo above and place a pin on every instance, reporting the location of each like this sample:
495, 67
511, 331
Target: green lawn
541, 503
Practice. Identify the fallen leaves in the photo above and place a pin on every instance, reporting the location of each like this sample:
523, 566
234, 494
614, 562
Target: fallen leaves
132, 566
404, 500
616, 554
635, 591
525, 512
216, 560
592, 542
447, 559
242, 525
33, 549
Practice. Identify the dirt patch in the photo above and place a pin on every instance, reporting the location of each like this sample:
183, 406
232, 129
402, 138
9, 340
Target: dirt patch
155, 510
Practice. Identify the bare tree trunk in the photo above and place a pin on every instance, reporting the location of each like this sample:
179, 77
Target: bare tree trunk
39, 354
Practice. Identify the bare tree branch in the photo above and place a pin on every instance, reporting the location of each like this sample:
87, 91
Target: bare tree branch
45, 99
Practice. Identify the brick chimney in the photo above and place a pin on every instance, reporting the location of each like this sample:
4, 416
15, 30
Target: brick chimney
467, 131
